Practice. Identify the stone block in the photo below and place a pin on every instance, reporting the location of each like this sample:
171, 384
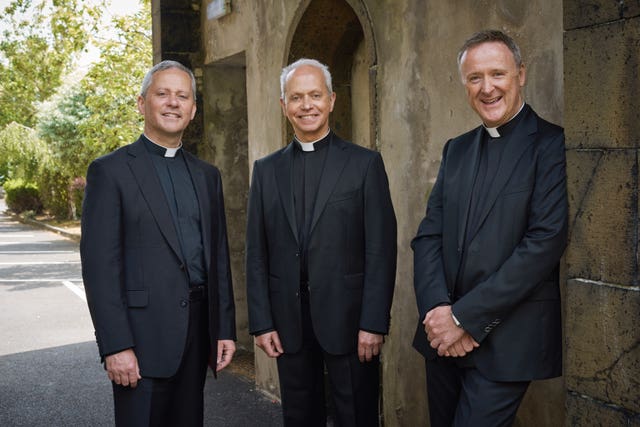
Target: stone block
601, 66
582, 411
630, 8
602, 337
603, 214
583, 13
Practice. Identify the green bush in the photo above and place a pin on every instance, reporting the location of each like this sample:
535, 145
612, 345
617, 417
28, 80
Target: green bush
22, 196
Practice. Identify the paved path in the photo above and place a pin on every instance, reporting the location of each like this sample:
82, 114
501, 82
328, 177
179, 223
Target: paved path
50, 374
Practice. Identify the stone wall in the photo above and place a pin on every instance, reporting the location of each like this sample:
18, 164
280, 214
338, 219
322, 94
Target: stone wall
602, 119
401, 84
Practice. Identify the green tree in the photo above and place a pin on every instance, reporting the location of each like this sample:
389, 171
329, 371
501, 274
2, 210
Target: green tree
37, 49
98, 114
23, 153
113, 84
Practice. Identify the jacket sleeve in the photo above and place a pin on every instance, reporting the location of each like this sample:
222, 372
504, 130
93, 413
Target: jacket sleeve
380, 234
226, 305
536, 255
257, 260
102, 260
428, 269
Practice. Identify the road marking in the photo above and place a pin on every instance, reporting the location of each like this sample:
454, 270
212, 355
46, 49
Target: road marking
21, 235
16, 242
40, 263
38, 280
75, 289
38, 252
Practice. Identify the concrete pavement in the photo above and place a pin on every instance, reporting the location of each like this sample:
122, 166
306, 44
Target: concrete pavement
50, 374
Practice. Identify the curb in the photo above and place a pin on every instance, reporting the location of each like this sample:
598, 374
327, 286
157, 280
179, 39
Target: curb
61, 231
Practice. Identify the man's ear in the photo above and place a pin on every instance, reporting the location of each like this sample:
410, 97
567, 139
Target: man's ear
141, 104
522, 75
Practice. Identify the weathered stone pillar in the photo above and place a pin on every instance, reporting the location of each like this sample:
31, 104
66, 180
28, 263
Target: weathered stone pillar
177, 36
602, 126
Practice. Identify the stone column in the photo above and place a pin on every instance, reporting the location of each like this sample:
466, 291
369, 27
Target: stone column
602, 125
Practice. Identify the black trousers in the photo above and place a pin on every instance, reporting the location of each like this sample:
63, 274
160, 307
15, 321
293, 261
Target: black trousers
463, 397
175, 401
354, 386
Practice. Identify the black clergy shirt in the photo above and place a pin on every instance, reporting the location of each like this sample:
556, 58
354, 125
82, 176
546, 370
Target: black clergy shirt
183, 202
307, 172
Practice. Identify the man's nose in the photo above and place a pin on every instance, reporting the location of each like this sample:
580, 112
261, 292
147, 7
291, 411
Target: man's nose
173, 100
306, 102
487, 85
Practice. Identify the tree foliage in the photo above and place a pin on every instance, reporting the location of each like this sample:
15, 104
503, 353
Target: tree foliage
37, 49
113, 83
88, 118
23, 153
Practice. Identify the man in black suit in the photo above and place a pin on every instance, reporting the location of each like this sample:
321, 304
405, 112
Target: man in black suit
155, 262
321, 259
486, 255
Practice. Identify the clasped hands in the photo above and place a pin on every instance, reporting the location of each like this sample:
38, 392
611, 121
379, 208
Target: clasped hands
443, 334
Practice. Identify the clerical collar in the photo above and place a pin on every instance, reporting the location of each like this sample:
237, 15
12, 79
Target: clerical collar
498, 131
313, 145
160, 149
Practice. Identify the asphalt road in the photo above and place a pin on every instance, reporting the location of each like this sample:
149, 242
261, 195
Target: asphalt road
50, 373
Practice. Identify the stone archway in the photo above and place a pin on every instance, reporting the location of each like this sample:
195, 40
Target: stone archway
338, 33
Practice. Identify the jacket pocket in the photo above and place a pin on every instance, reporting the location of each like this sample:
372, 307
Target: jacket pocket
138, 298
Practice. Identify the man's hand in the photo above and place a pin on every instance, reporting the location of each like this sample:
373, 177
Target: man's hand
368, 345
270, 344
226, 349
441, 331
122, 368
464, 345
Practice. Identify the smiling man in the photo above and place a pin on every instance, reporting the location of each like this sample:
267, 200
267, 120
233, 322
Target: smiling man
321, 259
155, 262
486, 255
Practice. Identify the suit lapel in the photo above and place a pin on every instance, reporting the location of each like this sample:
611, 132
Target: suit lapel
283, 173
204, 203
334, 164
522, 137
142, 169
467, 176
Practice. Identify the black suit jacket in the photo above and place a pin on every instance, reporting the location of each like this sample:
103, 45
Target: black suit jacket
511, 265
351, 249
134, 275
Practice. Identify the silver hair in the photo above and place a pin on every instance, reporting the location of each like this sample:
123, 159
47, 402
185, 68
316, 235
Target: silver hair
487, 36
289, 69
166, 65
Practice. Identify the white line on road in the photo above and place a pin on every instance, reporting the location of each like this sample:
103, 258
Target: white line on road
37, 280
75, 289
38, 252
19, 235
16, 242
40, 263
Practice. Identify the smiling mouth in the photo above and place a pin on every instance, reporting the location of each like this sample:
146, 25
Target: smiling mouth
491, 101
171, 115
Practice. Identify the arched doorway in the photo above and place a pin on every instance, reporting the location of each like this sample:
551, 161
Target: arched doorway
338, 33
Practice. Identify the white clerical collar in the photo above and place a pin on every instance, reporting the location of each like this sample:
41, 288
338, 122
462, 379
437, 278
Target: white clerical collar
308, 146
171, 152
493, 132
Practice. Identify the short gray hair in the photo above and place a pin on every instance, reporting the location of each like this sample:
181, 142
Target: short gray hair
487, 36
289, 69
166, 65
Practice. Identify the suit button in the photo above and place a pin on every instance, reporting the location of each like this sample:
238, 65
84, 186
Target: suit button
182, 267
297, 254
183, 303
